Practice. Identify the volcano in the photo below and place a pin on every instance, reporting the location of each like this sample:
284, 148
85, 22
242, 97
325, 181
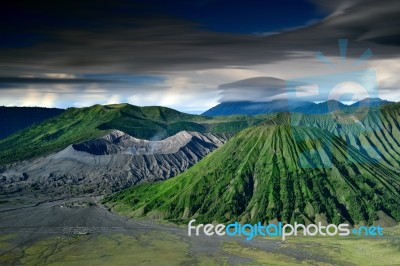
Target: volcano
273, 173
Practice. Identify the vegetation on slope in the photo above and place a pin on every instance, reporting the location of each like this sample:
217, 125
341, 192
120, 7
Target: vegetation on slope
374, 132
272, 172
81, 124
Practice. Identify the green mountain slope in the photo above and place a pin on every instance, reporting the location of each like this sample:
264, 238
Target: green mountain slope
80, 124
374, 132
272, 172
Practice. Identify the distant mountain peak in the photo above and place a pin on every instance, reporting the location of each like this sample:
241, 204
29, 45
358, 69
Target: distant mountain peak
256, 108
285, 105
332, 101
373, 101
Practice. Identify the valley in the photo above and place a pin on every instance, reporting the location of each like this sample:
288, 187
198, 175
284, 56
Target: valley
80, 231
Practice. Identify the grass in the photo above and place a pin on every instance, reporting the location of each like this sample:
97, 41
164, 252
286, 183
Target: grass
332, 250
259, 256
108, 249
4, 239
164, 248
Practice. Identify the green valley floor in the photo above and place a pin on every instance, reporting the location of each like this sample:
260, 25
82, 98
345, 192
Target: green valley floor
81, 232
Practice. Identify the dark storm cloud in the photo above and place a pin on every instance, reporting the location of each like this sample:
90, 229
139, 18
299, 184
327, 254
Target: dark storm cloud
28, 80
374, 21
24, 82
129, 37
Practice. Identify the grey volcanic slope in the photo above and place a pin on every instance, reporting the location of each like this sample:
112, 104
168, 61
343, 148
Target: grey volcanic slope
108, 164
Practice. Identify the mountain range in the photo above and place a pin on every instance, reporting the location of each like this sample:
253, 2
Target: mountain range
341, 166
76, 125
109, 163
336, 167
101, 149
256, 108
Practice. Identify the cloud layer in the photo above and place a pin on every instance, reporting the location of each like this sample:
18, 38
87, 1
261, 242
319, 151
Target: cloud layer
131, 38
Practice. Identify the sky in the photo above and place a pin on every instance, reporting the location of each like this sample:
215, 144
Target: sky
192, 55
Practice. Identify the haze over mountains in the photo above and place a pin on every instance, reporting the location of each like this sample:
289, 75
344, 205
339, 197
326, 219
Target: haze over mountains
256, 108
13, 119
